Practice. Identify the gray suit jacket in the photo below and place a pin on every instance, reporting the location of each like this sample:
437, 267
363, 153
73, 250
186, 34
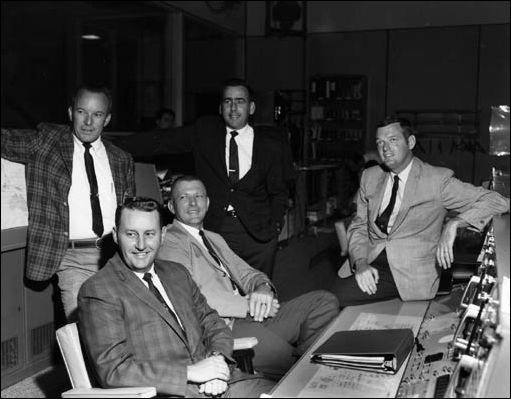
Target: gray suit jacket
132, 339
430, 193
181, 247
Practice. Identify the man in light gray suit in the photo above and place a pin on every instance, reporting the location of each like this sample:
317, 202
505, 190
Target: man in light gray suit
397, 241
244, 296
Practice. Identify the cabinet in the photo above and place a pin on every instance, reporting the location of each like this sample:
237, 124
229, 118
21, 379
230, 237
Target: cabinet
337, 114
28, 314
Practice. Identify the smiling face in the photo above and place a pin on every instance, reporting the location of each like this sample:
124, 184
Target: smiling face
236, 107
89, 115
139, 236
189, 202
394, 148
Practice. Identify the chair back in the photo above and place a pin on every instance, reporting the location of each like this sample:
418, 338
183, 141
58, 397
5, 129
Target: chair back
71, 350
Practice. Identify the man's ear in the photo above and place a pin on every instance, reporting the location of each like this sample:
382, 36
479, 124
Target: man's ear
411, 141
70, 113
170, 205
114, 235
163, 232
107, 120
252, 108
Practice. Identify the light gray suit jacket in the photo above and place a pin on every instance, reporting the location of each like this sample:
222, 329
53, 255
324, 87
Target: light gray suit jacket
181, 247
430, 193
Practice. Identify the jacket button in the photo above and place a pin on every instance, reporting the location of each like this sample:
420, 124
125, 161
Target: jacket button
232, 190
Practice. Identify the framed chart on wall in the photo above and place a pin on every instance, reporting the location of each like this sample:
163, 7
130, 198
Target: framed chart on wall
286, 18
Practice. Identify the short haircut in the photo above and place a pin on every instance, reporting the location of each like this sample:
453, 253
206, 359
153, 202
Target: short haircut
162, 111
144, 204
405, 124
92, 89
237, 82
187, 178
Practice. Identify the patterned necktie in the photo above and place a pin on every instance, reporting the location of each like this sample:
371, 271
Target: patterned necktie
149, 279
234, 167
383, 220
97, 218
217, 259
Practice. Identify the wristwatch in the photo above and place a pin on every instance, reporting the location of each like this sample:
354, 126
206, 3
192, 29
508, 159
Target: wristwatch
215, 353
266, 284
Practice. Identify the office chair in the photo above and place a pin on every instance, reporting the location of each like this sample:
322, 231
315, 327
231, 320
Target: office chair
81, 377
71, 350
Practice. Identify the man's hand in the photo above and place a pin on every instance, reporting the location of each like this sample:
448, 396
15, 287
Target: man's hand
367, 277
213, 387
260, 304
444, 249
208, 369
275, 306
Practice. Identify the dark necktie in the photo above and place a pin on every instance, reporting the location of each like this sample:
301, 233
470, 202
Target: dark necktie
149, 279
217, 259
234, 167
383, 220
97, 218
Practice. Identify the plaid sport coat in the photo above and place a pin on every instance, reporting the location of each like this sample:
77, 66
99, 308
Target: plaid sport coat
48, 157
133, 341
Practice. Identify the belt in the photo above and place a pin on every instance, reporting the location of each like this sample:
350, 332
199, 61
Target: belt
97, 243
231, 213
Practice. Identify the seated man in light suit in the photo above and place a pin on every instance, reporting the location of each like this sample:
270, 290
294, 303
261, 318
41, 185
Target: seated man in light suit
244, 296
146, 323
397, 241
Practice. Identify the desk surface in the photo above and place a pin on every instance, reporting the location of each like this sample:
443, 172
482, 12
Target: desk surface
392, 312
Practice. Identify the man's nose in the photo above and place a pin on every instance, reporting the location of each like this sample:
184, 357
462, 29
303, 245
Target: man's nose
140, 242
88, 119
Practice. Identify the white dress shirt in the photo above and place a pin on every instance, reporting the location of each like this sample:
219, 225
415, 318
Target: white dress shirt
80, 211
159, 286
403, 177
245, 142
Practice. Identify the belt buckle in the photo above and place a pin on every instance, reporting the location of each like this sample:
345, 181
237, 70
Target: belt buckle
98, 243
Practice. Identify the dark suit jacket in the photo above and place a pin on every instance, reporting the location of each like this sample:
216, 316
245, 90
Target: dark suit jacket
260, 197
48, 157
133, 341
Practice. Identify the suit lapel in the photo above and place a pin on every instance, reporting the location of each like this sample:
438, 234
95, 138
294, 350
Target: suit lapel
409, 194
138, 289
67, 150
195, 245
218, 147
257, 154
375, 206
116, 171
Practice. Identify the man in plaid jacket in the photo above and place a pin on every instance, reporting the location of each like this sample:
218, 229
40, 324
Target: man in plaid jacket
60, 237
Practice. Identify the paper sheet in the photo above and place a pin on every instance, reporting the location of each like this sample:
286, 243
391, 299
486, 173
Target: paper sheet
338, 382
333, 382
377, 321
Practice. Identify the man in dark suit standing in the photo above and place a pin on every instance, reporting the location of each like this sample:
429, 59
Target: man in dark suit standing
242, 170
146, 323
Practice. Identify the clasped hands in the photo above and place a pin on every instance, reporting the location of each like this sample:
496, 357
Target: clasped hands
211, 374
262, 304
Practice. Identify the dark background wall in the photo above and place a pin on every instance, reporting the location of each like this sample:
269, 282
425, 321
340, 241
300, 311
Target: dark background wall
416, 55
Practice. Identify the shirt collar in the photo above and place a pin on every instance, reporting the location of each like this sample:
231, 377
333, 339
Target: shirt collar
242, 132
96, 145
403, 175
141, 275
192, 230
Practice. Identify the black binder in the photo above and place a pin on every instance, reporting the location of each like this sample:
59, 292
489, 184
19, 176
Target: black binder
381, 351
